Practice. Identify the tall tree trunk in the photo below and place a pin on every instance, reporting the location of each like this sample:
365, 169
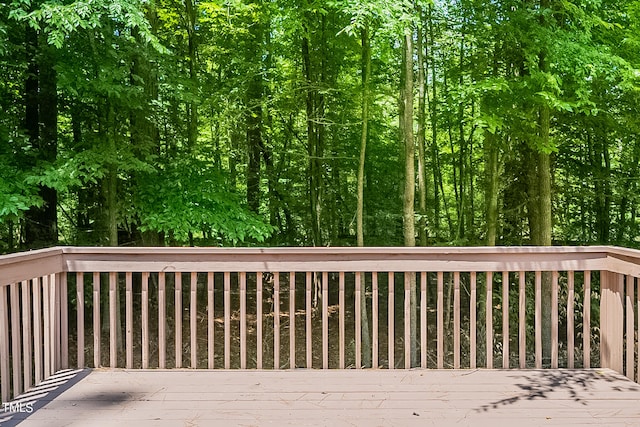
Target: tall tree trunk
422, 178
435, 162
192, 107
408, 212
366, 73
253, 115
491, 186
41, 122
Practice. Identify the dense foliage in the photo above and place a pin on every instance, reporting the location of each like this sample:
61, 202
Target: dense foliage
243, 122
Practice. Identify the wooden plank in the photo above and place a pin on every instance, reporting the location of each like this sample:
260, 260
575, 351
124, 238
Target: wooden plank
308, 317
16, 339
407, 320
128, 301
358, 318
27, 341
473, 318
505, 320
64, 321
522, 320
5, 382
113, 344
210, 322
489, 319
325, 320
586, 321
456, 320
292, 320
227, 320
145, 320
193, 318
47, 326
27, 265
37, 330
342, 308
423, 319
376, 316
538, 319
177, 298
276, 320
259, 303
391, 335
630, 329
243, 319
96, 321
440, 320
611, 321
80, 319
162, 320
570, 320
54, 282
554, 320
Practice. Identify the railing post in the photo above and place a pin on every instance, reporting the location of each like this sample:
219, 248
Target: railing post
611, 320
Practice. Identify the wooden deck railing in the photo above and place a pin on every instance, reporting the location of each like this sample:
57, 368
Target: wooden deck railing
248, 308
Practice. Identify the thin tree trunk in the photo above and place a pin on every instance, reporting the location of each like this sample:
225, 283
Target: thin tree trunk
366, 73
408, 228
422, 182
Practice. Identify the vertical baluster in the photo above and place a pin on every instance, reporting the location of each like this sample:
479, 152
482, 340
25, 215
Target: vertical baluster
113, 347
358, 328
630, 329
638, 317
276, 320
325, 320
473, 331
96, 320
37, 329
54, 313
522, 320
505, 320
177, 292
391, 331
554, 320
210, 322
586, 321
227, 320
456, 320
162, 323
489, 319
407, 320
538, 319
64, 322
80, 318
193, 318
292, 320
308, 318
5, 382
145, 320
27, 342
16, 348
46, 317
423, 319
374, 323
341, 317
243, 320
570, 320
259, 317
128, 278
440, 320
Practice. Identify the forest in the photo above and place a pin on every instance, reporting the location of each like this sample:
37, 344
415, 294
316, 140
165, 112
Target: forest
319, 122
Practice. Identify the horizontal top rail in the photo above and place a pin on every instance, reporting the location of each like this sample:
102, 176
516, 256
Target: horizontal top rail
27, 265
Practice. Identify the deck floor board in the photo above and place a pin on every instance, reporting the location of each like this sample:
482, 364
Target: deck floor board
337, 398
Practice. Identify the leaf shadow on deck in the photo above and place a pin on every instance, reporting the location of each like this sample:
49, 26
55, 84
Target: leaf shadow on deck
574, 385
19, 409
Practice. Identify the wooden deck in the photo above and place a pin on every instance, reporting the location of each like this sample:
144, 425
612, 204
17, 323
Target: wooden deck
333, 398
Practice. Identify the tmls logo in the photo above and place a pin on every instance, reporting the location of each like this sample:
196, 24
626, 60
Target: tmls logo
18, 407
